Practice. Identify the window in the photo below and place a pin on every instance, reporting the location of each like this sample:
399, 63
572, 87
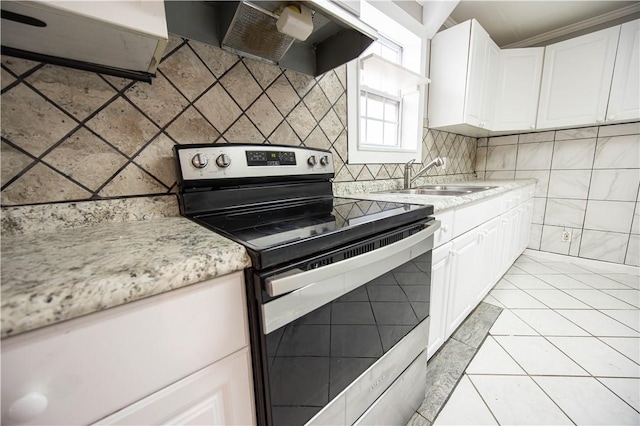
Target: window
385, 96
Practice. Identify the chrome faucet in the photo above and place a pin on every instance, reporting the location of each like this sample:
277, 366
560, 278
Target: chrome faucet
408, 180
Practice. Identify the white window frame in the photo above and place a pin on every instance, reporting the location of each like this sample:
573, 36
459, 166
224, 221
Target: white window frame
412, 108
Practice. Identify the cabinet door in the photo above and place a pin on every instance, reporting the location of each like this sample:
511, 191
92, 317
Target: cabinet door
448, 74
503, 246
440, 281
489, 262
464, 268
518, 89
624, 101
526, 215
481, 78
576, 78
221, 394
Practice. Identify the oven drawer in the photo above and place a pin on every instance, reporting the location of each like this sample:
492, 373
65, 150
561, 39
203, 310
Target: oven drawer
92, 366
347, 407
400, 401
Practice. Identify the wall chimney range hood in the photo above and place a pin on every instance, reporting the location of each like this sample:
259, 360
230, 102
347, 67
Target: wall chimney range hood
248, 28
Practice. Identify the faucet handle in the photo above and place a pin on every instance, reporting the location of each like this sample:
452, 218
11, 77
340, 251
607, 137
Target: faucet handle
409, 163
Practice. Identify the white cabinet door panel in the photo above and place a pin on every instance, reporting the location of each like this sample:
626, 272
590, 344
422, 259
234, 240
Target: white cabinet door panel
489, 244
448, 74
624, 101
481, 77
576, 78
464, 267
518, 89
440, 283
221, 394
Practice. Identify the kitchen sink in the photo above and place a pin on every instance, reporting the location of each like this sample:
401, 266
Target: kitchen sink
442, 190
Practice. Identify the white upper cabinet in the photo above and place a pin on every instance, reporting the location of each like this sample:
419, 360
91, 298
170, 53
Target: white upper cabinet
576, 79
464, 64
624, 100
518, 87
482, 74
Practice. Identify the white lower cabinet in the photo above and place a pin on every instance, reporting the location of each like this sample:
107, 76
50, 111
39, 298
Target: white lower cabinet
220, 394
465, 269
440, 279
489, 235
178, 357
464, 273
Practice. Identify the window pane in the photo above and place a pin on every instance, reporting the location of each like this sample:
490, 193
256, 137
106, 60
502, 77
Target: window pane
390, 134
363, 104
374, 132
374, 106
363, 130
391, 111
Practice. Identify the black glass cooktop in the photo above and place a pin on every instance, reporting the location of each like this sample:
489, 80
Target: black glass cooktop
282, 232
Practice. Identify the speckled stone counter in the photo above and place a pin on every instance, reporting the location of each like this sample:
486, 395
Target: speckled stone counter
441, 203
54, 275
63, 261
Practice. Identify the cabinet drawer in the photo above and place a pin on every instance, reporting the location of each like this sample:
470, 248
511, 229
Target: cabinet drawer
443, 234
220, 394
468, 217
92, 366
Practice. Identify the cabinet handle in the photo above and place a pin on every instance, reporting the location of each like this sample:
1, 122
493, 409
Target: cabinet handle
612, 117
445, 229
600, 119
28, 407
533, 126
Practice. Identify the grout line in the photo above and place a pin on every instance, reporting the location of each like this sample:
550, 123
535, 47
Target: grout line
483, 399
615, 393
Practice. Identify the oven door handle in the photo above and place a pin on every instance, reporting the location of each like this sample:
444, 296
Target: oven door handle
309, 290
295, 279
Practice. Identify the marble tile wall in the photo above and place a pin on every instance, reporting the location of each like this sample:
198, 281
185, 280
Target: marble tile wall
76, 135
588, 184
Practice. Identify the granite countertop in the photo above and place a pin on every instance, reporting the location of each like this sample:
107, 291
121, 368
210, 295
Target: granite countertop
54, 275
63, 261
441, 203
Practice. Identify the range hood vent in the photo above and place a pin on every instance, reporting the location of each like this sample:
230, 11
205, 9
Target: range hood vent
253, 33
248, 28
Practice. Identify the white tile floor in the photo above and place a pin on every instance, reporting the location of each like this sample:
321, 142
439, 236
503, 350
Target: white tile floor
565, 350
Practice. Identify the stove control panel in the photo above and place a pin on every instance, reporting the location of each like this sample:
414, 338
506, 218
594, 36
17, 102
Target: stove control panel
222, 161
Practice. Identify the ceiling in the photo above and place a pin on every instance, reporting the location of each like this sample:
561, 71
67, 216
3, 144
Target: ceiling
538, 23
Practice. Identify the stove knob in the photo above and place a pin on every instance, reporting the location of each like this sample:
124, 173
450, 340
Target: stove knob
199, 161
324, 160
223, 160
312, 160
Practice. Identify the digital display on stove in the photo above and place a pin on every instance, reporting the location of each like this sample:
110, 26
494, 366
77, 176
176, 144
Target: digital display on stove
271, 158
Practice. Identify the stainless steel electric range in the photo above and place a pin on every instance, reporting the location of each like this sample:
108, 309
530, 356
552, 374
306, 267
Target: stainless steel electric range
339, 288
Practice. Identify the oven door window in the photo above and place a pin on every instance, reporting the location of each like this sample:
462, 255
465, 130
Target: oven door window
316, 357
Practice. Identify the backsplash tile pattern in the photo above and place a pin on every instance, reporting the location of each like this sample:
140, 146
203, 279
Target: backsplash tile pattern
76, 135
588, 183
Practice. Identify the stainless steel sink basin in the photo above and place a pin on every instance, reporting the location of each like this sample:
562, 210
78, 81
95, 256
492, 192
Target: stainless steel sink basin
442, 190
463, 188
419, 191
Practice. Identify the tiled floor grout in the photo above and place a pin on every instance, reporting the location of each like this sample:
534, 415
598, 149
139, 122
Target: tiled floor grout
598, 336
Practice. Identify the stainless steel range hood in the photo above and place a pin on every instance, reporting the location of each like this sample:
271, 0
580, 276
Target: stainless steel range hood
338, 35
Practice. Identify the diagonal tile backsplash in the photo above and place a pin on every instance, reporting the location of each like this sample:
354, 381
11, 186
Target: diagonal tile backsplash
76, 135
